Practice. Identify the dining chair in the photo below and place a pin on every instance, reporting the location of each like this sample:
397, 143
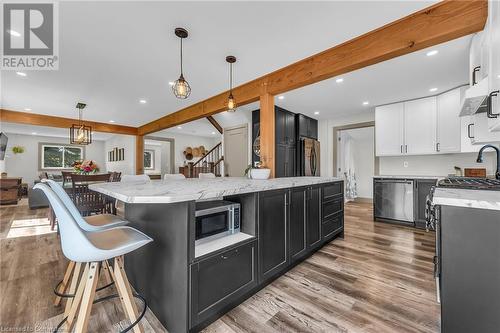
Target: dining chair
134, 178
93, 250
87, 201
174, 176
206, 175
66, 177
116, 176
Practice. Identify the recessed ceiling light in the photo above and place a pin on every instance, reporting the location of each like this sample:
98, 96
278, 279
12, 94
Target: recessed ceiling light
21, 73
179, 127
111, 121
431, 53
316, 112
33, 133
281, 97
27, 109
14, 33
433, 89
339, 80
498, 76
143, 101
171, 83
366, 103
213, 132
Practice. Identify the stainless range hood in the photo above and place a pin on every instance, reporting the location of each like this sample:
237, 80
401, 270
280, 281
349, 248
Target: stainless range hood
476, 99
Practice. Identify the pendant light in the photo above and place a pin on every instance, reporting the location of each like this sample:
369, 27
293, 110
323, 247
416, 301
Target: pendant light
231, 104
80, 134
181, 87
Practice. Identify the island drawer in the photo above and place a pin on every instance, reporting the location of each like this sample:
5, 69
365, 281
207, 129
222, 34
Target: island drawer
332, 226
331, 190
332, 207
219, 280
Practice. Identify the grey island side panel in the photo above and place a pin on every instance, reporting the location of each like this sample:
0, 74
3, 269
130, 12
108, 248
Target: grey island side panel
159, 271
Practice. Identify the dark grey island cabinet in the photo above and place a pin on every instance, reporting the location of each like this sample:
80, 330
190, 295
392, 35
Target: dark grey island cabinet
187, 291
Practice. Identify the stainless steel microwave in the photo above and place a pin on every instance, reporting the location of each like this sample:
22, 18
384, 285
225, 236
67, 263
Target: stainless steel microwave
216, 219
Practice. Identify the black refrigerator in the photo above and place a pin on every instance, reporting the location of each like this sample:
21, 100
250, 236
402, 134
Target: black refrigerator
309, 157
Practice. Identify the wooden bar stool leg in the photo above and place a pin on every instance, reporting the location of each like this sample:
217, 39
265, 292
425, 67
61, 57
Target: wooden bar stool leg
90, 281
72, 287
125, 292
64, 285
107, 274
77, 299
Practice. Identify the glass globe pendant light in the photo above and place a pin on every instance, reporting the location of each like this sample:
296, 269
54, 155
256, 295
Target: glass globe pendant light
231, 104
181, 87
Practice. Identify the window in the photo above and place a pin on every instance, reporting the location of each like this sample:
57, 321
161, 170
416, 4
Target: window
53, 156
149, 159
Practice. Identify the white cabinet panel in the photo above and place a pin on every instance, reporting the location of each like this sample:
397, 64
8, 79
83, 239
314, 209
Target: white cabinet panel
466, 135
389, 129
420, 126
448, 122
494, 59
481, 132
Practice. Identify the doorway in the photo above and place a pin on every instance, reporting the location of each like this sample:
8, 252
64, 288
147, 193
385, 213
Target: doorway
236, 150
158, 156
356, 162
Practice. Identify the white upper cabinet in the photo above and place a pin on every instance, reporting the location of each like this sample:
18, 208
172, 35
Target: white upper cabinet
420, 126
480, 132
389, 129
448, 122
493, 28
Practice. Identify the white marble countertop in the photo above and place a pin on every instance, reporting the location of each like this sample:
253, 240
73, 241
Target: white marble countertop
170, 191
482, 199
409, 177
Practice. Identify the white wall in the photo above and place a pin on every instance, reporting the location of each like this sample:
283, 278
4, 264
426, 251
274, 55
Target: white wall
25, 165
434, 165
182, 141
127, 166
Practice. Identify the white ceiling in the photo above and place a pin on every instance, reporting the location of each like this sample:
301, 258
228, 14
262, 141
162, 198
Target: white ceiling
114, 53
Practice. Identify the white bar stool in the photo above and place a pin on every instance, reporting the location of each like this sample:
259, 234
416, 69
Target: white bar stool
92, 249
88, 223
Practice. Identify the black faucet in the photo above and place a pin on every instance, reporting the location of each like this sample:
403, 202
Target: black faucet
480, 158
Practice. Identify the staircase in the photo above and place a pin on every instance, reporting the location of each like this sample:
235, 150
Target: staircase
211, 162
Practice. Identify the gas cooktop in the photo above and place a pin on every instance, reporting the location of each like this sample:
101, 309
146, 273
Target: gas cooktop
470, 183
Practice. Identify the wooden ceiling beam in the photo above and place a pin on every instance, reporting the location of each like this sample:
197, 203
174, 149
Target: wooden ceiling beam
9, 116
215, 124
439, 23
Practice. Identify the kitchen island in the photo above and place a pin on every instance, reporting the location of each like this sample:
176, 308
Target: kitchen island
189, 285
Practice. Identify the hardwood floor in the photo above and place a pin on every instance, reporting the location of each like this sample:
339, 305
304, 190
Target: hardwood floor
379, 279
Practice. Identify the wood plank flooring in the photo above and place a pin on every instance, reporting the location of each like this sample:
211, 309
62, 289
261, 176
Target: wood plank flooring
378, 279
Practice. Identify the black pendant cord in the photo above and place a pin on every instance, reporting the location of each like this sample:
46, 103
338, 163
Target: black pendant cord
182, 74
231, 79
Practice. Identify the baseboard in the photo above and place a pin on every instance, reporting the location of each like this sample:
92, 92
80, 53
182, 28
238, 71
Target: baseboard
363, 200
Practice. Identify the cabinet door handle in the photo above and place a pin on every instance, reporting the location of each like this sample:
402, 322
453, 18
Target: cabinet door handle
223, 257
490, 108
468, 131
401, 149
406, 149
474, 71
437, 147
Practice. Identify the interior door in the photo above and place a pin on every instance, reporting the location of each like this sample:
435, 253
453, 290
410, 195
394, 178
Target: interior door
448, 122
389, 129
236, 150
420, 126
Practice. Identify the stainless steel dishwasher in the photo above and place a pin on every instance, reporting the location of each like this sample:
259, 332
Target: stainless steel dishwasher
393, 200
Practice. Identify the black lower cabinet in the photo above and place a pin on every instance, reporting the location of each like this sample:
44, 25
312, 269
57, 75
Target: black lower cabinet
218, 281
333, 226
313, 217
298, 223
273, 233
